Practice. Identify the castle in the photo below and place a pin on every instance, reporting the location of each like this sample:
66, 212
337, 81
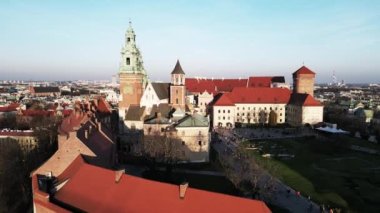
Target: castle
213, 103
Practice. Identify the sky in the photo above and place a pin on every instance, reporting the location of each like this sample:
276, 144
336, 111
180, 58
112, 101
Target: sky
72, 40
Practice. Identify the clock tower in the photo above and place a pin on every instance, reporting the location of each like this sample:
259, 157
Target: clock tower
132, 74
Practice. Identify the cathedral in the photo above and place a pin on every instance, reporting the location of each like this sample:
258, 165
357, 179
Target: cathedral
148, 108
191, 107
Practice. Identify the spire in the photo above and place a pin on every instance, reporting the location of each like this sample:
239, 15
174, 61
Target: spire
130, 29
178, 69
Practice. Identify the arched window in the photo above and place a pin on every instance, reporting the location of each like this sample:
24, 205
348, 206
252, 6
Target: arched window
128, 61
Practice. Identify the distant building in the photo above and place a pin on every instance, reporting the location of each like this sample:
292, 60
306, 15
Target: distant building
10, 108
264, 104
251, 106
45, 91
25, 138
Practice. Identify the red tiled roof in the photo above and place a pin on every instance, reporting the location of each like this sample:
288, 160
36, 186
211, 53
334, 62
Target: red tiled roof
10, 108
36, 112
301, 99
213, 85
224, 100
66, 112
260, 81
72, 121
103, 106
199, 86
227, 85
15, 133
93, 189
303, 70
255, 95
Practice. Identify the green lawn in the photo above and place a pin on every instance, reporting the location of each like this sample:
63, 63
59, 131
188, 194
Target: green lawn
340, 178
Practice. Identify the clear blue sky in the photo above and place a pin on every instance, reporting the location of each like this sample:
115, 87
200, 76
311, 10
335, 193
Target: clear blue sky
61, 40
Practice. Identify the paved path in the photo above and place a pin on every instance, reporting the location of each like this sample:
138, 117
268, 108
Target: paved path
281, 198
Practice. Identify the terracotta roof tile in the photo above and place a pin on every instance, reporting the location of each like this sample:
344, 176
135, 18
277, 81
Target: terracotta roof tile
93, 189
303, 70
10, 108
300, 99
103, 106
224, 100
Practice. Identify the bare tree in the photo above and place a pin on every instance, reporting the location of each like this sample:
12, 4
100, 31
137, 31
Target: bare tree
250, 175
163, 148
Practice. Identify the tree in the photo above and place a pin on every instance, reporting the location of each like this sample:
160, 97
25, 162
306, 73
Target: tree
15, 190
248, 174
163, 148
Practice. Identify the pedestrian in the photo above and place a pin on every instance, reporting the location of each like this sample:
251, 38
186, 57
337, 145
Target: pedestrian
298, 193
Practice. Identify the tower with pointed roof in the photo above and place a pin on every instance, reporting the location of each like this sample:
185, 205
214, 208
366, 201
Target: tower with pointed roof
303, 81
132, 74
177, 87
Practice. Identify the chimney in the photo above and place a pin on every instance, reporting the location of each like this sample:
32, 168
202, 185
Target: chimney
182, 190
49, 174
118, 175
86, 134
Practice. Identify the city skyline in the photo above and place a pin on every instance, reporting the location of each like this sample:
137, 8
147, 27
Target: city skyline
70, 41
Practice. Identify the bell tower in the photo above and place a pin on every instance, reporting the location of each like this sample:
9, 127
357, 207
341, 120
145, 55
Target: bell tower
132, 74
177, 87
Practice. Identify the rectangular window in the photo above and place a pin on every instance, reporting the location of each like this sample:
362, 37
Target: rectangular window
128, 61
